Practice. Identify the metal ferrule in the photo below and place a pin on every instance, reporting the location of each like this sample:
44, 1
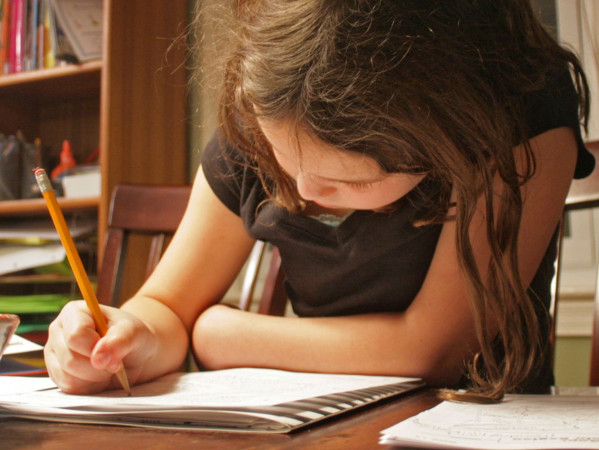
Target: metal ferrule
43, 181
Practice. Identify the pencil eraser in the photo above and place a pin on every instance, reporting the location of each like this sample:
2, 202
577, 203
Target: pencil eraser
37, 171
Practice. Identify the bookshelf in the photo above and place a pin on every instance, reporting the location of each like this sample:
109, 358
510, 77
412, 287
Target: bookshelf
37, 207
131, 104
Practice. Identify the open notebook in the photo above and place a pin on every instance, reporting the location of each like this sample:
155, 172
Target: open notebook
244, 399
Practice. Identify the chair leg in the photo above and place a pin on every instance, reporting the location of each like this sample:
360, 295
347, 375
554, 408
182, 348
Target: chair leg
155, 253
251, 275
553, 308
274, 298
594, 377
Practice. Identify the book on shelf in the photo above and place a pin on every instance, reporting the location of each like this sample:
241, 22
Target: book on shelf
80, 24
31, 243
17, 31
40, 34
4, 33
242, 399
35, 279
17, 257
82, 181
37, 230
35, 311
46, 54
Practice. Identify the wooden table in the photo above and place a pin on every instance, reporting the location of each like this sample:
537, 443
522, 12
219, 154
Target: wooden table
358, 430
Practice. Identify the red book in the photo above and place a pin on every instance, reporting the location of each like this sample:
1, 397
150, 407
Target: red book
16, 36
5, 38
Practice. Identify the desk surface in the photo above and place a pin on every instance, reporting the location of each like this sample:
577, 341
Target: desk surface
357, 430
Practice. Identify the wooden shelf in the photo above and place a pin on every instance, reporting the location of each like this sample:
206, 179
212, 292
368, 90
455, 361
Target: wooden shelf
65, 82
37, 206
33, 76
131, 104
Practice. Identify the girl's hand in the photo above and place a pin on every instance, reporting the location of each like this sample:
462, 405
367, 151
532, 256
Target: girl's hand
80, 361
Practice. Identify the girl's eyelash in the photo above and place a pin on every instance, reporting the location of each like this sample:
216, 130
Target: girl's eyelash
360, 185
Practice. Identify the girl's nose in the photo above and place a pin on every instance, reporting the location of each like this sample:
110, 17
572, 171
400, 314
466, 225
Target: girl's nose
311, 189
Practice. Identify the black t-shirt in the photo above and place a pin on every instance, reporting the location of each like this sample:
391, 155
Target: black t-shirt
373, 261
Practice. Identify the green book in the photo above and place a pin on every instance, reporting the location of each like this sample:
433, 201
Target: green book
33, 304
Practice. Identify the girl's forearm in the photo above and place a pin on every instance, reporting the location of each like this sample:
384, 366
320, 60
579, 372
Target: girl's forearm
377, 344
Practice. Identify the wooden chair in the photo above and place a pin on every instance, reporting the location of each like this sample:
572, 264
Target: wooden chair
273, 300
583, 194
137, 210
156, 211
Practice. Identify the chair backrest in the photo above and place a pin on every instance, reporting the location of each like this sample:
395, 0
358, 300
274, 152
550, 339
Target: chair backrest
273, 300
584, 193
133, 212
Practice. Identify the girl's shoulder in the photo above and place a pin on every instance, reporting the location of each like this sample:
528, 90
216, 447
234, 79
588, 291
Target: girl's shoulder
230, 174
556, 105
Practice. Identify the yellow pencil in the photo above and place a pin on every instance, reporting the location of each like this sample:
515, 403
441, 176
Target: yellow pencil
75, 262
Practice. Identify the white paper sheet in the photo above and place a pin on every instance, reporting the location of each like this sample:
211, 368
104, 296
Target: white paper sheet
14, 257
21, 385
233, 387
18, 344
519, 422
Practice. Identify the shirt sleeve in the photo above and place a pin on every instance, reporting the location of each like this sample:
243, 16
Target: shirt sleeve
223, 170
232, 176
555, 106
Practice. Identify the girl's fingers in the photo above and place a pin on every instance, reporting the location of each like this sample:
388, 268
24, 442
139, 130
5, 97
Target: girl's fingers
72, 372
76, 327
78, 359
126, 341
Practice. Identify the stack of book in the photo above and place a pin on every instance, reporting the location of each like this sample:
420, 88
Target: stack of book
35, 278
41, 34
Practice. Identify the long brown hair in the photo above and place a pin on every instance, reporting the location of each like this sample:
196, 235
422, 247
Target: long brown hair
433, 86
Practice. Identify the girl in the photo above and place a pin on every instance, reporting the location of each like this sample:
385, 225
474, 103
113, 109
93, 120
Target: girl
410, 160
